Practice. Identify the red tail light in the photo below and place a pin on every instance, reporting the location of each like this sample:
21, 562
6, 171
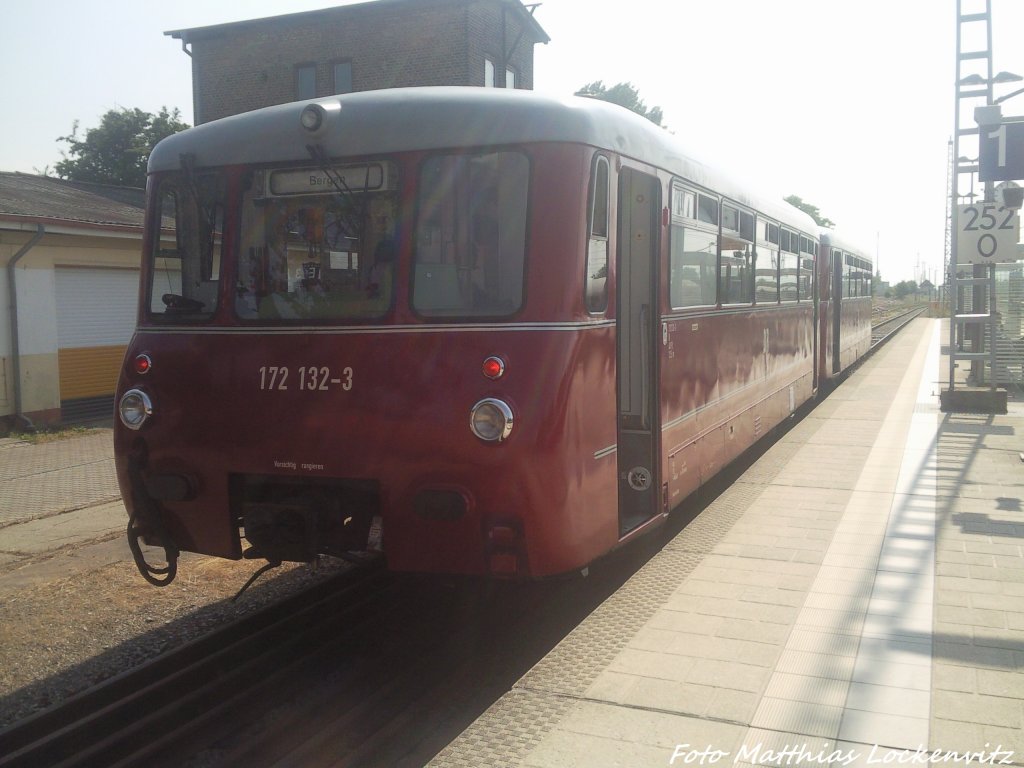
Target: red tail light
494, 367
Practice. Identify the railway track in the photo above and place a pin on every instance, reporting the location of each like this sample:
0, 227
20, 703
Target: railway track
385, 673
153, 709
885, 329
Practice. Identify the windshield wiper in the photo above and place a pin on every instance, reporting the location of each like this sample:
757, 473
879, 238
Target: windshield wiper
177, 303
354, 222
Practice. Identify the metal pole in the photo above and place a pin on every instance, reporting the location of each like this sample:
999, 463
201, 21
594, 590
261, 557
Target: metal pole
12, 287
979, 271
992, 326
953, 206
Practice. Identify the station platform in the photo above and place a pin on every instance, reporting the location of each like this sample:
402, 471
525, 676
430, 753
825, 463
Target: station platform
855, 598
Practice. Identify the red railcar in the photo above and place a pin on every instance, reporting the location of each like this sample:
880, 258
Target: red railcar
486, 331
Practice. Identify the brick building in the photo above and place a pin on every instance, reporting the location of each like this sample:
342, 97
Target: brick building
246, 65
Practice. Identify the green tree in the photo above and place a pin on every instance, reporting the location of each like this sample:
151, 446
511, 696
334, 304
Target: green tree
117, 151
623, 94
904, 288
810, 210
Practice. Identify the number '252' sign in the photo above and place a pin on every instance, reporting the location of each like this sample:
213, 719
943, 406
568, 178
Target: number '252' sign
987, 233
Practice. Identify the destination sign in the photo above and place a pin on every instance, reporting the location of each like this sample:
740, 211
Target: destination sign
313, 181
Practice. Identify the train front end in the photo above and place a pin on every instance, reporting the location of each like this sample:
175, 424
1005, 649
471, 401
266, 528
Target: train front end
336, 354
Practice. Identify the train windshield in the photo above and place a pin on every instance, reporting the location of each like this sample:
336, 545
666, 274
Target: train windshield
471, 235
186, 255
317, 244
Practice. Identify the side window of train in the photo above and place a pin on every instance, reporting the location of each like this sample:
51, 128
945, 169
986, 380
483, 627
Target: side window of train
806, 275
736, 260
596, 284
693, 253
707, 209
837, 273
806, 284
186, 256
766, 277
859, 276
790, 265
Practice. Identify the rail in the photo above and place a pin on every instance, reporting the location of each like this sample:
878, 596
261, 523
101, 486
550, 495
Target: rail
144, 712
884, 330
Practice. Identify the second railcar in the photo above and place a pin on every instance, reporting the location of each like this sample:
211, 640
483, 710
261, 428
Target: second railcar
845, 286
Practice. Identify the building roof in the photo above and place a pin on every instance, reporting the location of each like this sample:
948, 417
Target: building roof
192, 34
43, 199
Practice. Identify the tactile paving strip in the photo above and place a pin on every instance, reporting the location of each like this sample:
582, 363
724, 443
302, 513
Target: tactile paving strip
506, 732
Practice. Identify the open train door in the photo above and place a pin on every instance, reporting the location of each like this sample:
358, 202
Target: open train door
637, 316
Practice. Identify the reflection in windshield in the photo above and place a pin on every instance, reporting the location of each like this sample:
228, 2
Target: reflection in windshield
315, 255
471, 235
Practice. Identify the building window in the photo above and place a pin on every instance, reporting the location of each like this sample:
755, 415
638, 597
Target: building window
510, 77
488, 73
305, 81
342, 77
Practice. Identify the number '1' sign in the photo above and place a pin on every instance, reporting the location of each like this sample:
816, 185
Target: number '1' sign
987, 233
1001, 152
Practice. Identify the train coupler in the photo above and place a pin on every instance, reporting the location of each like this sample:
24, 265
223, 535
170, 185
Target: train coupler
158, 576
144, 524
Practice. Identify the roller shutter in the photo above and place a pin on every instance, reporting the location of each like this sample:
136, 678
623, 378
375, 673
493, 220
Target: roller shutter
96, 311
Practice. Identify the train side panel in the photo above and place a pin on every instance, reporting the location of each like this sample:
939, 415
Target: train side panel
855, 330
729, 377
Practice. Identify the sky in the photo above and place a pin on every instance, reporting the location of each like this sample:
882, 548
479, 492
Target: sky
849, 104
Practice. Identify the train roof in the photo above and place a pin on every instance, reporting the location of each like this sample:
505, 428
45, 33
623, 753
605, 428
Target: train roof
840, 240
434, 118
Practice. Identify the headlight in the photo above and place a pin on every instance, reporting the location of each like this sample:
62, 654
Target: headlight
491, 420
315, 117
312, 117
135, 407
